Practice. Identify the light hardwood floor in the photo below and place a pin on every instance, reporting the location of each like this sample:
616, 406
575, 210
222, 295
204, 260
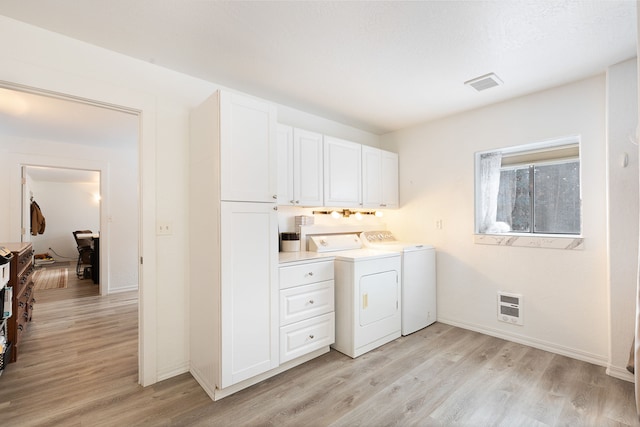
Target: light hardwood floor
78, 367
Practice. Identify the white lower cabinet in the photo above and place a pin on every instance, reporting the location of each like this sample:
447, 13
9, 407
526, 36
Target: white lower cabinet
307, 318
302, 302
306, 336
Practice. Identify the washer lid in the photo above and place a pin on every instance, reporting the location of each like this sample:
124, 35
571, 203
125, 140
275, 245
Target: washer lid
334, 242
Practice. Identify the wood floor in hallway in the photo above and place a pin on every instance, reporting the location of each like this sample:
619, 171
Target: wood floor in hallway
78, 367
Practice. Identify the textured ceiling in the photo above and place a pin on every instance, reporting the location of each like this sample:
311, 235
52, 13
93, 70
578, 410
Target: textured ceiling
379, 66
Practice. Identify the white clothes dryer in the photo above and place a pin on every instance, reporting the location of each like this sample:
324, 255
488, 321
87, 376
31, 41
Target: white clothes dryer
418, 278
367, 293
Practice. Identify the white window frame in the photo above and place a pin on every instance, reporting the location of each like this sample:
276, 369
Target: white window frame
533, 147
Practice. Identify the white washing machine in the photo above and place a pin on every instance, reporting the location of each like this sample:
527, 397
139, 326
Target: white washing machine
418, 278
367, 293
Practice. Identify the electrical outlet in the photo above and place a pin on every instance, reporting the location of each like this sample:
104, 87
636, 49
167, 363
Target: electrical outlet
439, 224
164, 228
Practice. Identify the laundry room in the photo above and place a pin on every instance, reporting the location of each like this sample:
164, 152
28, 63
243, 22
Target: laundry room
337, 213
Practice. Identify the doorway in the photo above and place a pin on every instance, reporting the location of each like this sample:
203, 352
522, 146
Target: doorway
68, 200
58, 133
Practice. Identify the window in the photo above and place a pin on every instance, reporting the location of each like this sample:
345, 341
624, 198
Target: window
529, 189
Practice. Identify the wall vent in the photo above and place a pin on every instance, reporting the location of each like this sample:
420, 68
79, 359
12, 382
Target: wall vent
484, 82
510, 308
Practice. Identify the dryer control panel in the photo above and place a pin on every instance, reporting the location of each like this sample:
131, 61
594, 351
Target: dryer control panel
378, 236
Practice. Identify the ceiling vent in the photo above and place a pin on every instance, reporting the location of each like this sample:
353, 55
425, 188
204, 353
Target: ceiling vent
484, 82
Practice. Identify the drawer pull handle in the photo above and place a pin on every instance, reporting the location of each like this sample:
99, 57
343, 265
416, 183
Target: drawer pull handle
310, 273
311, 336
310, 301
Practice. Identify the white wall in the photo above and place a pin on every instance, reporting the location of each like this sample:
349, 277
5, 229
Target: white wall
622, 121
66, 206
565, 292
45, 60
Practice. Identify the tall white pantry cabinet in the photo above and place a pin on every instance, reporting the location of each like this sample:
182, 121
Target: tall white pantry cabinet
234, 315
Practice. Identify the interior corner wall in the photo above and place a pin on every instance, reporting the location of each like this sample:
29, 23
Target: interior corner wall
564, 291
623, 211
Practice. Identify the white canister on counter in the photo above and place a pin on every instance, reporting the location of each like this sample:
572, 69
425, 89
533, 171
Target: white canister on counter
289, 242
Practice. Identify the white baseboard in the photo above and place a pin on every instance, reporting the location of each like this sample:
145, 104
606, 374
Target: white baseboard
620, 373
540, 344
124, 289
217, 394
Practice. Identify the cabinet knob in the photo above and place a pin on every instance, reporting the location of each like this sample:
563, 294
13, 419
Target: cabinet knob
275, 196
275, 208
293, 202
297, 202
310, 301
20, 327
311, 337
310, 273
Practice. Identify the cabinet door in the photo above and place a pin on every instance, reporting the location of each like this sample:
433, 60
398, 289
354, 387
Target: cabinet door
342, 173
371, 177
248, 147
379, 178
389, 180
285, 165
307, 168
249, 291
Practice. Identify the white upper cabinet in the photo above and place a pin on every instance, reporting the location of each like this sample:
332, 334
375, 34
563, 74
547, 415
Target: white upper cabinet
390, 172
371, 177
299, 167
379, 178
285, 165
342, 173
248, 135
307, 168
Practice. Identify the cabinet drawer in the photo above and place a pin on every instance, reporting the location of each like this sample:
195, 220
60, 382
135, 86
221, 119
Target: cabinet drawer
305, 302
306, 336
305, 273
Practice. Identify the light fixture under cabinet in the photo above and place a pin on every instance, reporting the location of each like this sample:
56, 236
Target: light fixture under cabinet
346, 213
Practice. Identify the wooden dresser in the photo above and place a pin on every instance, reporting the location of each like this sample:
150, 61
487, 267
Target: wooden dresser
21, 279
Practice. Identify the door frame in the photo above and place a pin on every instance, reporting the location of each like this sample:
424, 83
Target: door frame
103, 280
145, 107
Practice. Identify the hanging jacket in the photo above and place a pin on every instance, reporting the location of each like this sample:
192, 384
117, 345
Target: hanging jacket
37, 220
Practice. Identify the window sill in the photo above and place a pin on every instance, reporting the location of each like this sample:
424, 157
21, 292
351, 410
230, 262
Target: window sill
548, 241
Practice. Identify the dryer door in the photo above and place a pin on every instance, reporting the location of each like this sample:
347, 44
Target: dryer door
378, 297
